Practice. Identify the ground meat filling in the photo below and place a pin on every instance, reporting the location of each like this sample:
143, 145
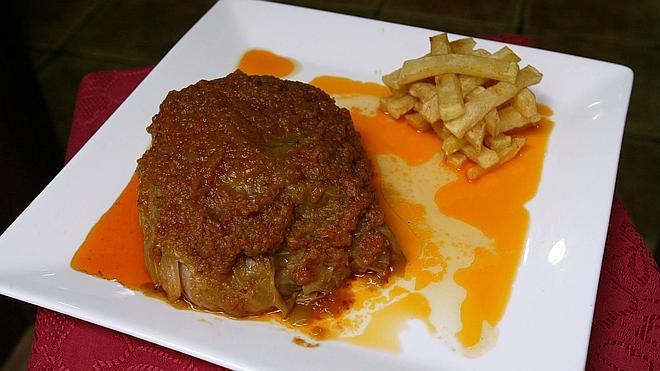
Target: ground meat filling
255, 195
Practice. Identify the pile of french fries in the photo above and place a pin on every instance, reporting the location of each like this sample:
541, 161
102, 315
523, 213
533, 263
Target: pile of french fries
470, 97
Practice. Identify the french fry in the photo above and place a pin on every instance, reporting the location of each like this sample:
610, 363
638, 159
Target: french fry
506, 54
418, 122
421, 68
481, 53
512, 150
397, 106
463, 46
452, 144
477, 108
450, 97
499, 142
475, 172
530, 76
440, 44
485, 158
456, 159
505, 154
448, 89
492, 120
476, 91
525, 103
475, 136
429, 110
391, 80
441, 130
422, 91
511, 119
469, 83
474, 99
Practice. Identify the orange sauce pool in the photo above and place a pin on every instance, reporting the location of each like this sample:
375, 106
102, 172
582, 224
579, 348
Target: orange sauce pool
264, 62
495, 205
113, 248
492, 206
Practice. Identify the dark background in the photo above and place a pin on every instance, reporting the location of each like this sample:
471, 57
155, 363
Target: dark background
48, 46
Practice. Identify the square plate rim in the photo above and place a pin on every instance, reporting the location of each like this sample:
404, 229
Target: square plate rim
65, 309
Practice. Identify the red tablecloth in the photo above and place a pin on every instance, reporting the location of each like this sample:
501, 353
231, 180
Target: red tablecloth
626, 327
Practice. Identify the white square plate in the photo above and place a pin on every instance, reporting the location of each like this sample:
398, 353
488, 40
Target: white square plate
548, 319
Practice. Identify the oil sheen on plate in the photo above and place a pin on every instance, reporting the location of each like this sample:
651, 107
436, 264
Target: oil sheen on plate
463, 240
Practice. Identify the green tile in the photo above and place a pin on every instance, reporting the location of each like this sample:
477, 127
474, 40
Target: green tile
644, 110
46, 24
59, 82
638, 185
15, 317
20, 356
643, 58
502, 11
39, 57
478, 18
135, 31
361, 8
627, 20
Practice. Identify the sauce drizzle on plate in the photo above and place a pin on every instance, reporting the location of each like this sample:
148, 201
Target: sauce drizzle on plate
264, 62
113, 248
494, 205
463, 240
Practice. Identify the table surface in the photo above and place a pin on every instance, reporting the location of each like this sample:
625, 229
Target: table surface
626, 326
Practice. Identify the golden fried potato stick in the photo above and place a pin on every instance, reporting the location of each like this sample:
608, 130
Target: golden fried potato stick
397, 106
424, 67
475, 172
505, 154
391, 80
474, 98
428, 100
511, 119
506, 54
452, 144
440, 44
469, 83
479, 106
525, 103
476, 134
499, 142
485, 158
476, 91
492, 120
417, 121
422, 91
441, 130
463, 46
449, 95
481, 53
456, 159
429, 110
512, 150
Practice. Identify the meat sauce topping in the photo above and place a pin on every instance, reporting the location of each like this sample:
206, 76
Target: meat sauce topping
256, 194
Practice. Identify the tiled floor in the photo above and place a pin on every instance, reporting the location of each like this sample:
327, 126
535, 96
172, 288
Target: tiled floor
68, 39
